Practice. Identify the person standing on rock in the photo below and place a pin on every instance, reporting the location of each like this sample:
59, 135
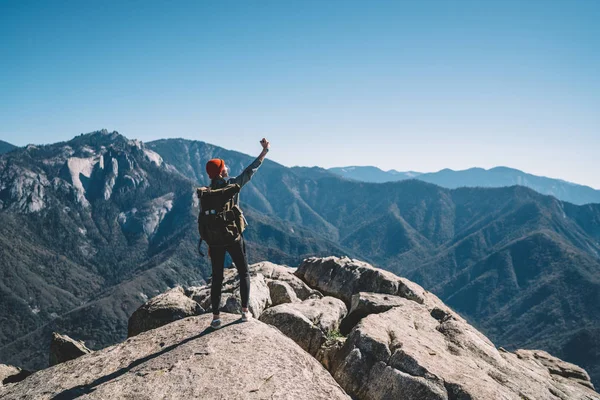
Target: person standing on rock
219, 174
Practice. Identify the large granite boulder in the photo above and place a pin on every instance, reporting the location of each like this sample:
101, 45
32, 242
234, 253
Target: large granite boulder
187, 360
307, 323
260, 297
344, 277
364, 304
201, 295
281, 293
281, 273
271, 270
63, 348
328, 351
556, 366
411, 352
162, 309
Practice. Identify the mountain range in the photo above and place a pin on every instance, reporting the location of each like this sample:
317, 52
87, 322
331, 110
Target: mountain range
373, 174
478, 177
92, 227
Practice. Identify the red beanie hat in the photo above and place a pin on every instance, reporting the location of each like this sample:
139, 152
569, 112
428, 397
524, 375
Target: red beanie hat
214, 167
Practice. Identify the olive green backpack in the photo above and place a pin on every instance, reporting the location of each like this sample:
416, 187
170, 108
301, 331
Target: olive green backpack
220, 221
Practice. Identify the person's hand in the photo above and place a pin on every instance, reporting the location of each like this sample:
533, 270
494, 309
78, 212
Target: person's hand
265, 143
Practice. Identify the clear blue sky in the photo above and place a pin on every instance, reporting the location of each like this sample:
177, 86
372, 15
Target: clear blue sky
419, 85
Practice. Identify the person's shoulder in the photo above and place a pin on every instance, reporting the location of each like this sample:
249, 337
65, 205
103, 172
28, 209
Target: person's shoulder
220, 183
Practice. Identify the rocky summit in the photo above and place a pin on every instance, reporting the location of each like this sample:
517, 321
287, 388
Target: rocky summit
334, 328
187, 360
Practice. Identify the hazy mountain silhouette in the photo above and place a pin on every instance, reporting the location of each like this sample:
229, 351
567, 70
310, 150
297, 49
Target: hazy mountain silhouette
479, 177
372, 174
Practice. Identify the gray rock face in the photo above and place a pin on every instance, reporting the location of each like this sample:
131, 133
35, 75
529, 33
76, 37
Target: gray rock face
6, 371
201, 295
162, 309
10, 374
271, 270
364, 304
63, 348
260, 297
556, 366
328, 351
402, 343
286, 274
281, 293
344, 277
187, 360
25, 188
411, 352
407, 343
307, 323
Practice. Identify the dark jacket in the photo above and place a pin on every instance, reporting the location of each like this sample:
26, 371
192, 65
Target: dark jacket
241, 179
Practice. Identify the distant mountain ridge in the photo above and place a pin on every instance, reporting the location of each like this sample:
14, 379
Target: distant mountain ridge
373, 174
479, 177
5, 147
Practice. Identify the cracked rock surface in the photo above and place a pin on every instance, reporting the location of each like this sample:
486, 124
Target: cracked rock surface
281, 292
408, 353
260, 297
161, 310
11, 374
309, 322
187, 360
63, 348
280, 273
397, 341
364, 304
343, 277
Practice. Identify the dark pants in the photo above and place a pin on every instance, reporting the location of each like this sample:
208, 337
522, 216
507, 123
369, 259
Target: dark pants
237, 251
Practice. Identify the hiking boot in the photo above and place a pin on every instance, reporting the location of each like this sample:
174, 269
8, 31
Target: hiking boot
246, 316
216, 323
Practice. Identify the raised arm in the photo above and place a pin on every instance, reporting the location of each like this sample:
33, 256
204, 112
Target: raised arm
251, 169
